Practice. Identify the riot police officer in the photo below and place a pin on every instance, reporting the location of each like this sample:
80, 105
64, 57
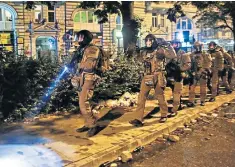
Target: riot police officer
178, 67
201, 64
86, 67
154, 77
217, 67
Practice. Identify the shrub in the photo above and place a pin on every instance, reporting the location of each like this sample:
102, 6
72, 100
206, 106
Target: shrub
124, 77
24, 83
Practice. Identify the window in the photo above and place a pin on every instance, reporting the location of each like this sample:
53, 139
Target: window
189, 24
154, 20
38, 13
0, 14
176, 35
119, 23
51, 14
223, 33
77, 18
184, 24
90, 17
178, 25
85, 17
162, 20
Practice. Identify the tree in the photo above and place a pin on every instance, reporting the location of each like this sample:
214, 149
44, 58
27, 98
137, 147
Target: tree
131, 25
212, 14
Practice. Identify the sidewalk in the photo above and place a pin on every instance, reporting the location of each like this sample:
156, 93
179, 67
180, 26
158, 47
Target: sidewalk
58, 133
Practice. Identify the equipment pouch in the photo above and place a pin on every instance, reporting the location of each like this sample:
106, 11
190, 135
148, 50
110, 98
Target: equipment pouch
75, 81
149, 80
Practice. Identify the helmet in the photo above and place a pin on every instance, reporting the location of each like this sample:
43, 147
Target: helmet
152, 41
84, 37
197, 46
212, 45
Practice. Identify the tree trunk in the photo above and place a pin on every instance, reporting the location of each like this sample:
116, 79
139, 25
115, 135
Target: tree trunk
233, 22
232, 14
127, 14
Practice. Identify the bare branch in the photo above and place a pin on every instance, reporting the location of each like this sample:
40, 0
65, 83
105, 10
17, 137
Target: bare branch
226, 23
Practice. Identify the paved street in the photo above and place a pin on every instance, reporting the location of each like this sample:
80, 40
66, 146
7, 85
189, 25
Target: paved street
209, 145
57, 133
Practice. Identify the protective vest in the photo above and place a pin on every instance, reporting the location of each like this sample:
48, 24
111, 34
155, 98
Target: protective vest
217, 60
152, 63
201, 60
94, 60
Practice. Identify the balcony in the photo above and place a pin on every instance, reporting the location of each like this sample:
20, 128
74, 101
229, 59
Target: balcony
6, 26
93, 27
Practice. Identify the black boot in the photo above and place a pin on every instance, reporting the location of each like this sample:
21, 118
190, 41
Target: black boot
83, 129
190, 104
163, 119
202, 103
93, 131
136, 123
228, 91
173, 114
212, 99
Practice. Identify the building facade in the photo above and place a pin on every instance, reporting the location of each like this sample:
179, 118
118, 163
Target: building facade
50, 30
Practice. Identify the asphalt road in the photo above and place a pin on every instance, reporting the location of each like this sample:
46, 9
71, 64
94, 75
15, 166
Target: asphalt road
211, 144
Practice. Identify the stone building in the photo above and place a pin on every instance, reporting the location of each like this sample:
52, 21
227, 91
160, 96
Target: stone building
49, 30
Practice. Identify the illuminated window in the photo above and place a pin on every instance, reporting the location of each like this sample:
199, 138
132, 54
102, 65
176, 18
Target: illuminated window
85, 17
90, 17
185, 24
77, 18
178, 25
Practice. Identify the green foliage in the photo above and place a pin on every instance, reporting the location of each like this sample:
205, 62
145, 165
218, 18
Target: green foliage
124, 77
111, 7
23, 83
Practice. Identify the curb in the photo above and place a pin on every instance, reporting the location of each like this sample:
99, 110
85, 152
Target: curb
152, 133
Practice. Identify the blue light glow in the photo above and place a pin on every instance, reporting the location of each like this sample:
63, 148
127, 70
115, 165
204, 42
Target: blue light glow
46, 97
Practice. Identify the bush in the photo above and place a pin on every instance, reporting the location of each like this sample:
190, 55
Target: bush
124, 77
24, 83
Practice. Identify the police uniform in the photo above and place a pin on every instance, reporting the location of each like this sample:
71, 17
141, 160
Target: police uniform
154, 77
184, 62
87, 63
228, 64
201, 64
232, 73
217, 67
